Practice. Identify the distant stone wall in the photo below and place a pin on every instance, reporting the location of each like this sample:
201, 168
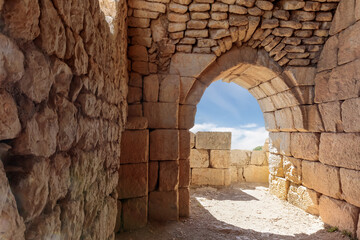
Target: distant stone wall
213, 163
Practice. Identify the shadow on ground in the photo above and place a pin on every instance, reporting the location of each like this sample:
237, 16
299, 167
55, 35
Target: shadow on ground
202, 225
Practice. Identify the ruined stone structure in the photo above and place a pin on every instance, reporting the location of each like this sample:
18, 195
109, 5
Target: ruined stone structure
63, 85
212, 163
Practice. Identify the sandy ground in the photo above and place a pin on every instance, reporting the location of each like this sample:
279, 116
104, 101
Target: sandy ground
241, 212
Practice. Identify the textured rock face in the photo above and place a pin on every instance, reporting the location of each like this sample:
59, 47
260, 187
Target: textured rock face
63, 86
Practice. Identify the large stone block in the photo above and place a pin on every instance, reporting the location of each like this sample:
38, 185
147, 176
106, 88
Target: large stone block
338, 213
234, 174
301, 76
153, 175
276, 165
184, 137
220, 158
168, 175
151, 88
350, 112
305, 145
213, 140
187, 116
240, 157
10, 125
304, 198
350, 185
208, 176
278, 187
134, 146
164, 145
199, 158
161, 115
170, 89
292, 169
164, 206
192, 140
340, 149
279, 143
322, 178
258, 158
328, 57
184, 173
184, 202
133, 180
190, 65
134, 213
339, 84
344, 16
258, 174
330, 114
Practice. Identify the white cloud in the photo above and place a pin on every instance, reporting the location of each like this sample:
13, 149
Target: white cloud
244, 137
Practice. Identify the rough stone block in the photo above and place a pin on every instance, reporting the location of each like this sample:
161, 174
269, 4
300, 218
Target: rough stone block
170, 89
151, 88
292, 169
344, 16
164, 145
330, 114
134, 213
213, 140
234, 174
134, 146
136, 123
184, 136
279, 143
338, 213
240, 157
305, 145
340, 149
184, 173
258, 158
10, 125
350, 112
186, 116
161, 115
184, 202
259, 174
278, 187
164, 206
304, 198
153, 175
220, 158
208, 176
350, 185
322, 178
199, 158
190, 65
276, 165
301, 76
168, 175
133, 180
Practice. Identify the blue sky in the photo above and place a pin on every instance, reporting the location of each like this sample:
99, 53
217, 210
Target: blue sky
229, 107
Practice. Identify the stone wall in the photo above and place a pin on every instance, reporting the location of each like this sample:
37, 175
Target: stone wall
212, 162
63, 87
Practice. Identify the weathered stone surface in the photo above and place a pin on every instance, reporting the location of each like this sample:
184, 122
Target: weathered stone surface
278, 187
187, 116
12, 67
164, 206
184, 173
184, 202
134, 213
168, 175
133, 180
153, 175
199, 158
9, 125
72, 211
161, 115
134, 146
322, 178
344, 16
330, 114
258, 174
292, 169
338, 213
276, 165
39, 136
340, 149
67, 113
304, 198
151, 88
240, 157
164, 145
213, 140
280, 143
349, 44
350, 180
12, 225
38, 79
190, 65
258, 158
208, 176
305, 145
220, 158
340, 84
350, 112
